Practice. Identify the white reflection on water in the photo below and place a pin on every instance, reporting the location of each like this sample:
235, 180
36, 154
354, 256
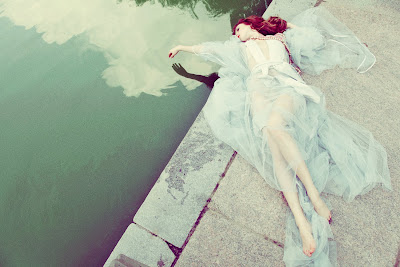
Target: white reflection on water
135, 40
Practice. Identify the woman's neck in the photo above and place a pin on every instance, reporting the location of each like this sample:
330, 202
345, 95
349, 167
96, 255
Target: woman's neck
256, 34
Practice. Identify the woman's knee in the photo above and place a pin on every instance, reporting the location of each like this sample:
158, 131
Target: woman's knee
275, 126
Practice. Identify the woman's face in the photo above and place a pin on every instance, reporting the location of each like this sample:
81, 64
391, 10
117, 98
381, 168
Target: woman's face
243, 32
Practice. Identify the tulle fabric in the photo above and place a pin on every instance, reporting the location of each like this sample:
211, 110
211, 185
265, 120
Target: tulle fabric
262, 108
322, 42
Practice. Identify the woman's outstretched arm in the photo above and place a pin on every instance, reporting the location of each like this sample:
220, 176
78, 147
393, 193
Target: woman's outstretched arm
191, 49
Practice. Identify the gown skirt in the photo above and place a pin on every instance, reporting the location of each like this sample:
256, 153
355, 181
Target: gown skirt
263, 109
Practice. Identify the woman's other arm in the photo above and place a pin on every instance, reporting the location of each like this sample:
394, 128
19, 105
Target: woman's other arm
291, 26
191, 49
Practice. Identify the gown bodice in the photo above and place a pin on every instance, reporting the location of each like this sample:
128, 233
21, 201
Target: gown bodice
269, 59
265, 51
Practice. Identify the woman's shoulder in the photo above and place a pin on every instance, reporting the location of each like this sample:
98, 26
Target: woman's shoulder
278, 36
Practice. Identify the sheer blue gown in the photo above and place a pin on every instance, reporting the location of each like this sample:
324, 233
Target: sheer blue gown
260, 106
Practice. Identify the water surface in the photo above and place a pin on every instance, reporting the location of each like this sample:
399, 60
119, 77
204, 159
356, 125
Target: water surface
90, 113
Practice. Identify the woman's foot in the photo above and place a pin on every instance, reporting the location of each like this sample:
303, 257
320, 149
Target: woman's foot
309, 244
320, 207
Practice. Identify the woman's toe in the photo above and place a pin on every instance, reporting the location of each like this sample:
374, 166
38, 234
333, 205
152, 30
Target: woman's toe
307, 253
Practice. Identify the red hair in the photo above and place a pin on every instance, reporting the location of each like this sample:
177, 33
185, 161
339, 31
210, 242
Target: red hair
270, 26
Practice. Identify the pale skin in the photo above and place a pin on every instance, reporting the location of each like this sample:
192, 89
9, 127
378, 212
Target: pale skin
283, 149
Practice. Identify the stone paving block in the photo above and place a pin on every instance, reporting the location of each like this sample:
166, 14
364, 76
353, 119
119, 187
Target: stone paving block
182, 190
245, 197
366, 230
143, 247
124, 261
219, 241
287, 9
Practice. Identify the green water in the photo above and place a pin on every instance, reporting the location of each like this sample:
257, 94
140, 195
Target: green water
73, 150
78, 155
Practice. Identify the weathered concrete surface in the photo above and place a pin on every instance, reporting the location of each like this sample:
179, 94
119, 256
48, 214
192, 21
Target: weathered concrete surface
287, 9
245, 198
124, 261
137, 243
176, 200
218, 241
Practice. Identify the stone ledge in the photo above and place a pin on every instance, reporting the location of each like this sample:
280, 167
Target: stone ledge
245, 198
287, 9
218, 241
176, 200
140, 246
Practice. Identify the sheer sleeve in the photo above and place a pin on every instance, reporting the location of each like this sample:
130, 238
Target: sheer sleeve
229, 55
322, 42
224, 109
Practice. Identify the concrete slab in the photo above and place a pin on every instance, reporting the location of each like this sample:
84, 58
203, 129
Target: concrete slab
218, 241
124, 261
244, 197
141, 246
182, 190
287, 9
366, 230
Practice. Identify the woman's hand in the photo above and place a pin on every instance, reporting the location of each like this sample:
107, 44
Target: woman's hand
195, 49
174, 51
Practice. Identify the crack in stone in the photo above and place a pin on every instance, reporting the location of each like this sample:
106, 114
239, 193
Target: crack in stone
319, 2
203, 211
397, 263
169, 192
183, 199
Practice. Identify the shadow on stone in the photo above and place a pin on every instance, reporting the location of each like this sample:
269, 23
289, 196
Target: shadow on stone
124, 261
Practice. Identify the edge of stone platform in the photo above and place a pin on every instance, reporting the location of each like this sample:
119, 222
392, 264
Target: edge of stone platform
170, 213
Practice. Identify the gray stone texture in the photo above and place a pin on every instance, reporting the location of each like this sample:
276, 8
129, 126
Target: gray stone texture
124, 261
287, 9
140, 248
182, 190
218, 241
246, 199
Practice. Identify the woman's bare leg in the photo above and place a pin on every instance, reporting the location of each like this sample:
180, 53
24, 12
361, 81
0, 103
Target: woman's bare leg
285, 178
291, 153
302, 223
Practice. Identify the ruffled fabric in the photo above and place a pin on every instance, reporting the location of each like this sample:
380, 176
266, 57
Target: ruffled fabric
321, 42
263, 109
